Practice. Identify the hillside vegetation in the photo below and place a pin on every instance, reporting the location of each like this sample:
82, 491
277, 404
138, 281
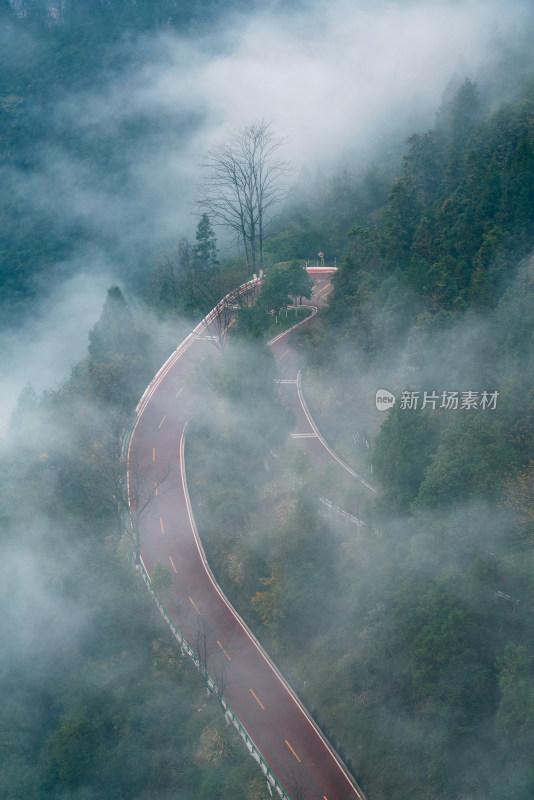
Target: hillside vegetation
414, 649
97, 699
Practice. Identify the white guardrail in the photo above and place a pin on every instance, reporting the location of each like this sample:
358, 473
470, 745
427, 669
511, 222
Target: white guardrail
229, 713
231, 716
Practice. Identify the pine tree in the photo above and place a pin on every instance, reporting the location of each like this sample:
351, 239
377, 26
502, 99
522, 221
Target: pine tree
118, 365
205, 249
114, 333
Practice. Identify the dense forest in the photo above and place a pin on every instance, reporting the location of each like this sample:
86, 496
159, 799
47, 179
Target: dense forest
409, 639
70, 152
97, 699
417, 659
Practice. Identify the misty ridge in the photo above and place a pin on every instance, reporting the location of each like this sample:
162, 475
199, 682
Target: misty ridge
108, 108
414, 648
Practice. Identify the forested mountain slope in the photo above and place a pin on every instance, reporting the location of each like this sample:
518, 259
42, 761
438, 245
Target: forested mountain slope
459, 216
75, 146
414, 648
97, 700
435, 302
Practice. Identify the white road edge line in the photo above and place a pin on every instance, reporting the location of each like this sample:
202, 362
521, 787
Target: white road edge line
325, 445
141, 406
249, 633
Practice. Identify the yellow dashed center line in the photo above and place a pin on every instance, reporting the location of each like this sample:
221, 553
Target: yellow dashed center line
296, 756
156, 488
194, 606
224, 651
153, 454
284, 355
257, 699
172, 562
162, 528
179, 392
162, 421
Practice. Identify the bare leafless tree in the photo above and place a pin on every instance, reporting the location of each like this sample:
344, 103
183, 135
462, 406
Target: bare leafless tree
222, 312
297, 782
223, 306
244, 180
212, 653
136, 497
170, 285
201, 640
166, 278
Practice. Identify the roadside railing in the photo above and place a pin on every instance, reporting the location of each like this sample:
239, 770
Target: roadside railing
342, 514
229, 713
186, 649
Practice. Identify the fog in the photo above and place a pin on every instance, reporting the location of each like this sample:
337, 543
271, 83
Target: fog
113, 174
43, 350
333, 78
119, 162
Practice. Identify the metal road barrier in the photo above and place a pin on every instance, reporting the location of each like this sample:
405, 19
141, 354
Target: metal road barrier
340, 512
186, 649
229, 713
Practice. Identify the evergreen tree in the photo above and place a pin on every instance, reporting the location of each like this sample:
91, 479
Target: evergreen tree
205, 249
114, 333
118, 365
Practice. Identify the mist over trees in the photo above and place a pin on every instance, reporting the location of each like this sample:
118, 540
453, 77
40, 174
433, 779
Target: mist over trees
433, 302
97, 699
413, 648
186, 279
243, 183
424, 637
60, 60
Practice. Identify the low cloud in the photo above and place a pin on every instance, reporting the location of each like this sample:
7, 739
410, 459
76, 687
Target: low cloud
52, 339
338, 81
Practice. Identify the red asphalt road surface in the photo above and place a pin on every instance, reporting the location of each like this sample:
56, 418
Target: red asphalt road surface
284, 733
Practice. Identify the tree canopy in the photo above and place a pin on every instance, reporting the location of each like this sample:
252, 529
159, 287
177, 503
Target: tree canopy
243, 183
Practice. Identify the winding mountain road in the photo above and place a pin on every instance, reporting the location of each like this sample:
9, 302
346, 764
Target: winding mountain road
289, 741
